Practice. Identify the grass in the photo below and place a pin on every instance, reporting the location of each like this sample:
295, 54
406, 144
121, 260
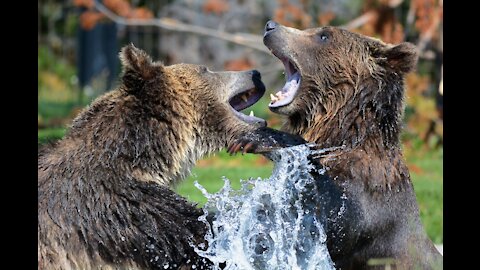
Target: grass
210, 171
426, 170
51, 134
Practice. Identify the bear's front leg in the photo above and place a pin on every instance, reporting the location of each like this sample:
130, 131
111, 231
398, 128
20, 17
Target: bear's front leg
264, 140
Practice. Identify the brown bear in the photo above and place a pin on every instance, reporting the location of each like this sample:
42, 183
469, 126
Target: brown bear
104, 191
346, 90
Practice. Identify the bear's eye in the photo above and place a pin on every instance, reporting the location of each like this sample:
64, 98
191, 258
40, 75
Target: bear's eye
323, 37
203, 69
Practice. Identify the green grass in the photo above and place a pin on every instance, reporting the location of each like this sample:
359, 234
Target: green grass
428, 185
50, 109
426, 169
210, 171
211, 179
51, 134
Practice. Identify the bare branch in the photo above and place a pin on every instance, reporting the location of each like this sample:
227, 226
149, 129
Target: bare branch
251, 41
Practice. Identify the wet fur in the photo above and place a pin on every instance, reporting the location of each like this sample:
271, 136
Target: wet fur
352, 96
357, 102
104, 191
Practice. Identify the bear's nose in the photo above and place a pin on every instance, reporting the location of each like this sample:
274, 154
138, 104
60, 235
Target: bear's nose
257, 82
271, 25
256, 75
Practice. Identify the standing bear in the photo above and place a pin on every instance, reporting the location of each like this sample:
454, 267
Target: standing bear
104, 190
346, 91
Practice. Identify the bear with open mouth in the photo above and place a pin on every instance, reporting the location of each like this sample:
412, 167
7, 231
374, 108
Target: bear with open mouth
345, 91
104, 191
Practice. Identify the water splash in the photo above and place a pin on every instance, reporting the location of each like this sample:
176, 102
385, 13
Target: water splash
269, 223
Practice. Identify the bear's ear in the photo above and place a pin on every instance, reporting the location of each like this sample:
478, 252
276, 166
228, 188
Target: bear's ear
135, 59
137, 67
402, 57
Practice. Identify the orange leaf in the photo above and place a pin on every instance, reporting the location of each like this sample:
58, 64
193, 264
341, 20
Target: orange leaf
325, 18
415, 169
238, 64
141, 13
83, 3
215, 6
120, 7
89, 19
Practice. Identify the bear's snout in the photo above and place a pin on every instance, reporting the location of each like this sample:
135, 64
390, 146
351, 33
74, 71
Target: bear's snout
270, 26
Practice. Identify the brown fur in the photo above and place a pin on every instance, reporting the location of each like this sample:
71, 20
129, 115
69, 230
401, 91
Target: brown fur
104, 191
351, 95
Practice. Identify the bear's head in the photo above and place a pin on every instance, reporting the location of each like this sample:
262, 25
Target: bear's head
202, 105
331, 72
162, 119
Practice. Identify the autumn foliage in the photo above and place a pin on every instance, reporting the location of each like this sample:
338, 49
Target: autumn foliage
217, 7
239, 64
90, 17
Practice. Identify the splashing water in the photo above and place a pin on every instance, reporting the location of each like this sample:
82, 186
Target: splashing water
270, 223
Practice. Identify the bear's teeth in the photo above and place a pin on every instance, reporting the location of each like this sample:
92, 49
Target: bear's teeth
273, 98
251, 114
244, 98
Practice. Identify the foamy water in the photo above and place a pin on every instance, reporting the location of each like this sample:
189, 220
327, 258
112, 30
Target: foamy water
268, 223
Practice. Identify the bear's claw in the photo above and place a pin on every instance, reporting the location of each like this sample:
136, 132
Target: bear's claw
263, 140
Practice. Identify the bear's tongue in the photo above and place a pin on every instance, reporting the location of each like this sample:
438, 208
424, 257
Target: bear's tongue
286, 95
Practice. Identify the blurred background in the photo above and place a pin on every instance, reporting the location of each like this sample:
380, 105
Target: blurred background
79, 41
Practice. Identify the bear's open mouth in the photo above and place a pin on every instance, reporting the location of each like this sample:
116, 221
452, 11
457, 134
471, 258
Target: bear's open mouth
245, 99
292, 83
